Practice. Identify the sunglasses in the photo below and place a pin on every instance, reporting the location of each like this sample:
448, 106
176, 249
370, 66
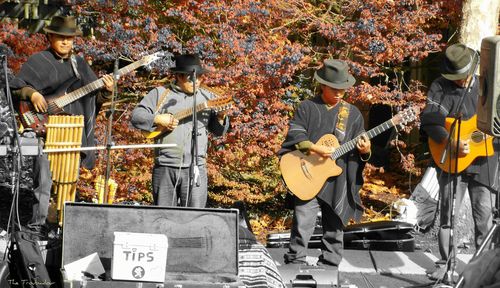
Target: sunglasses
191, 77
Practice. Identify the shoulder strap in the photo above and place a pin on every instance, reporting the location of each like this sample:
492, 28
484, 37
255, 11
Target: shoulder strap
343, 115
162, 99
74, 65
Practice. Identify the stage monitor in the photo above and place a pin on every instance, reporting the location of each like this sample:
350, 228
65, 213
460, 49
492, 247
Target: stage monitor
488, 109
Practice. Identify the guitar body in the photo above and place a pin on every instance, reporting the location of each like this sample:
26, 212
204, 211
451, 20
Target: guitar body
304, 174
480, 145
152, 135
35, 120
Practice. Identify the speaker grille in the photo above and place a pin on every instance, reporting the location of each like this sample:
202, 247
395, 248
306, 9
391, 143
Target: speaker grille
496, 126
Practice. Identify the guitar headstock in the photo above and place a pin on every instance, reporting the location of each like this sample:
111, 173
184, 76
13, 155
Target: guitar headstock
406, 116
146, 60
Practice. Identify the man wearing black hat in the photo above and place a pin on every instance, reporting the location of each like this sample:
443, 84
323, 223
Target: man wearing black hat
171, 172
45, 73
481, 177
339, 199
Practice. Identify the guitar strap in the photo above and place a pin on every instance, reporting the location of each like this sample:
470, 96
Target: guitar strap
74, 65
341, 125
162, 99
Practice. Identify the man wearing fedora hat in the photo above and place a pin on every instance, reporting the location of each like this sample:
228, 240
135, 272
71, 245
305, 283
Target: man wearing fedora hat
46, 73
339, 199
481, 177
171, 172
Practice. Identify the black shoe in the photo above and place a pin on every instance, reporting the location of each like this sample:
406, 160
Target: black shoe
323, 262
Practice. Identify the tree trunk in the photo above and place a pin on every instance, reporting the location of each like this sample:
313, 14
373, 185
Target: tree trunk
479, 20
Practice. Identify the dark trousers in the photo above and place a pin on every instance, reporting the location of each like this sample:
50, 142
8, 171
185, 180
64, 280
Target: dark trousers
171, 185
43, 184
303, 223
482, 201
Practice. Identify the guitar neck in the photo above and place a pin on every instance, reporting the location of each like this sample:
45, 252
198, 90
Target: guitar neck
89, 88
188, 112
351, 144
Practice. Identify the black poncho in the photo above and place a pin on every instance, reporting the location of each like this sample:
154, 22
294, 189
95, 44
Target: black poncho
47, 73
311, 121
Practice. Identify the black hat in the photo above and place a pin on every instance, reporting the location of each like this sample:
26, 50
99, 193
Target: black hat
63, 25
186, 63
459, 60
335, 73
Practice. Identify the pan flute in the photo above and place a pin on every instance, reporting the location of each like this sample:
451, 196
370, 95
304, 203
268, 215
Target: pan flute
64, 132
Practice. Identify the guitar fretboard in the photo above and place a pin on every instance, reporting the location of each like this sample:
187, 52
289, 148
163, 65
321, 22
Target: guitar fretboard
187, 112
80, 92
349, 145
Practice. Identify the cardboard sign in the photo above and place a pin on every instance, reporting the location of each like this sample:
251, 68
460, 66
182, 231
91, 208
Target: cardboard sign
139, 257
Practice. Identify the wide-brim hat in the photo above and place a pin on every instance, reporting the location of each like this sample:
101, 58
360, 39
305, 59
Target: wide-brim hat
63, 25
186, 63
335, 74
458, 61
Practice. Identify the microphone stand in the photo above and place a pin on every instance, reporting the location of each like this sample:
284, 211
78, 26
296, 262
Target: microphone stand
453, 155
16, 149
109, 139
193, 167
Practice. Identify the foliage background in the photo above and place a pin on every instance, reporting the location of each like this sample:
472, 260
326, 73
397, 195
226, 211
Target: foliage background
263, 54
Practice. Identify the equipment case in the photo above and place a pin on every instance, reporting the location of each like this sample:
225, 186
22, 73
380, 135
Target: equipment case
203, 243
381, 235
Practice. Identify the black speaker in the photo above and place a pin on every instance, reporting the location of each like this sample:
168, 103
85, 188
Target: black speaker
488, 113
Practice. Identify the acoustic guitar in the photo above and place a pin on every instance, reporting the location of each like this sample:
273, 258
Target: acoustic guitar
199, 245
305, 175
30, 118
481, 144
217, 105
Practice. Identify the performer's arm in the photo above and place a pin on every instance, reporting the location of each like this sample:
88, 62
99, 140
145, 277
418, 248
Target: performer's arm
145, 118
218, 124
434, 114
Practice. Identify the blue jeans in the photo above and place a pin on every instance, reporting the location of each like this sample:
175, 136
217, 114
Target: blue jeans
303, 223
171, 185
482, 202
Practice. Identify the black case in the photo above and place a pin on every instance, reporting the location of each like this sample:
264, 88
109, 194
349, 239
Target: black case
381, 235
27, 265
89, 228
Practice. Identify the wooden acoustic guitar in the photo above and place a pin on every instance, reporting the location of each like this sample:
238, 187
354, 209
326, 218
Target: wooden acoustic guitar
305, 175
480, 144
217, 105
30, 118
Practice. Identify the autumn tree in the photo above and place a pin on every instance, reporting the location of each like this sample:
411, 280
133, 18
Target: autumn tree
262, 53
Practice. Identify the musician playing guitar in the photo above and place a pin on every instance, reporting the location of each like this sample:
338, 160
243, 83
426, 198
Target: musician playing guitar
58, 70
477, 156
156, 113
338, 199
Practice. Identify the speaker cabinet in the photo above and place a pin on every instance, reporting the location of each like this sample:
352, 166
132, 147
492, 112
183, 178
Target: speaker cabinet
488, 113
